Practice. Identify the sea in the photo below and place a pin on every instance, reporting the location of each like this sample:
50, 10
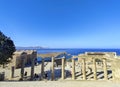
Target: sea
72, 52
77, 51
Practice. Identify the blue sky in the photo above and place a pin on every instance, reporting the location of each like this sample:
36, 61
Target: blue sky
62, 23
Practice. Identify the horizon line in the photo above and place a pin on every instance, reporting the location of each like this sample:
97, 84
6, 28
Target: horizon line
68, 47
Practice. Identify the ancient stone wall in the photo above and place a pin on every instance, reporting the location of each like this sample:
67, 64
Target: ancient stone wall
28, 55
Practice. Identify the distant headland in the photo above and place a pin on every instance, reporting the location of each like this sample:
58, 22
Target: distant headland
31, 47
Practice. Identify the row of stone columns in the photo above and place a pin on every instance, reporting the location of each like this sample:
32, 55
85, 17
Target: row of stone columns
42, 68
52, 68
63, 68
73, 69
94, 69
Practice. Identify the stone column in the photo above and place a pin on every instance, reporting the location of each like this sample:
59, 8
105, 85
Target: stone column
32, 66
113, 68
42, 68
22, 66
73, 69
63, 68
105, 69
12, 70
84, 69
52, 73
94, 69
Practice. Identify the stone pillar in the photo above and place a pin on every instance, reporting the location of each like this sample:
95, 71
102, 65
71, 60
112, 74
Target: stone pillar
94, 69
52, 72
42, 68
22, 67
73, 69
84, 69
63, 68
32, 65
105, 69
12, 70
113, 68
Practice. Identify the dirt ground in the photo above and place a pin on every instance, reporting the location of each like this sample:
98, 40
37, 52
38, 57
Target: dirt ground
60, 84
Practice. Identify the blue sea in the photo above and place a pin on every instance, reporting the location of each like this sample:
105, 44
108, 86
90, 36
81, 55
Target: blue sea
77, 51
72, 52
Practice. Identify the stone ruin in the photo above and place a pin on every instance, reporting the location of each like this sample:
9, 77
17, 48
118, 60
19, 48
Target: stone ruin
106, 61
20, 59
18, 55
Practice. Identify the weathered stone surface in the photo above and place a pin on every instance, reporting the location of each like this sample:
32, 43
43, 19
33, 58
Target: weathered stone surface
63, 68
28, 54
49, 55
94, 69
2, 76
22, 67
52, 73
32, 67
105, 69
84, 69
116, 70
42, 69
73, 69
12, 71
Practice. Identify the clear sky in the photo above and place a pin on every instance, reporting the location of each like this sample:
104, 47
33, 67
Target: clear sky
62, 23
